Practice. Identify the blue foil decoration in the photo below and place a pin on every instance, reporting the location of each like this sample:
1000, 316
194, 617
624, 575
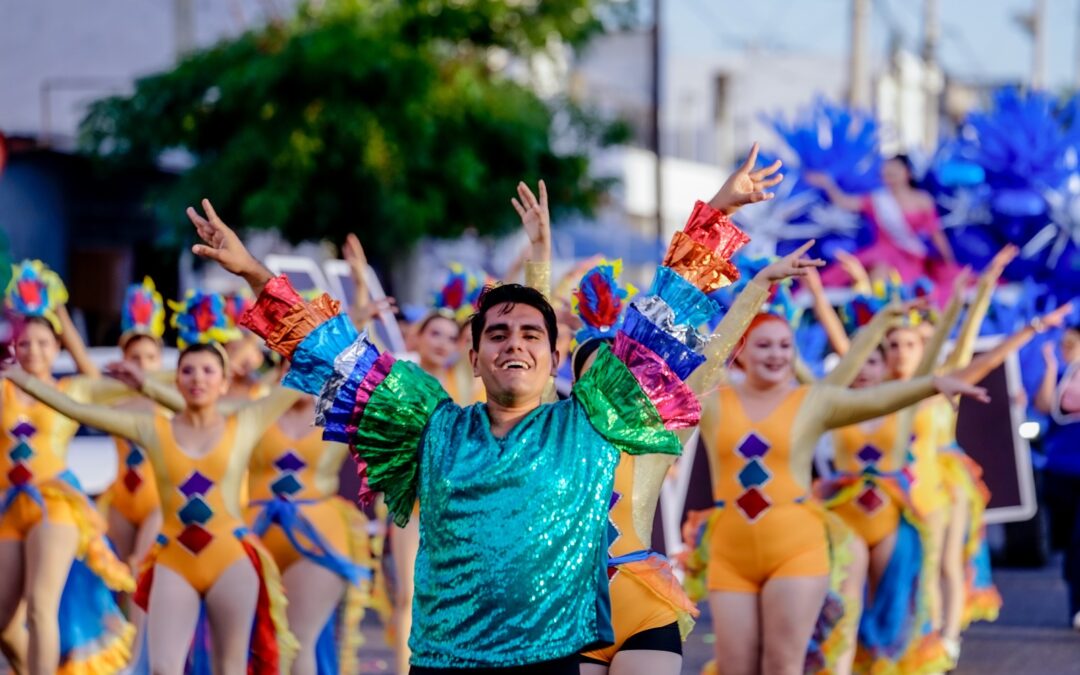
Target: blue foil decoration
686, 300
313, 362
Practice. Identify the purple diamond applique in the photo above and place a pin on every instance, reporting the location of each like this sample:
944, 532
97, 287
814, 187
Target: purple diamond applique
289, 462
196, 484
135, 457
23, 430
868, 454
753, 446
615, 497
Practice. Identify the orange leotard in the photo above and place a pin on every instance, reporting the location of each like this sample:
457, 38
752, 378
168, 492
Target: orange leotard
33, 451
201, 497
134, 493
868, 448
304, 472
765, 528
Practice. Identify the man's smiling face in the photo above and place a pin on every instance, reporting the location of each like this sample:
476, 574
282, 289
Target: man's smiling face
514, 358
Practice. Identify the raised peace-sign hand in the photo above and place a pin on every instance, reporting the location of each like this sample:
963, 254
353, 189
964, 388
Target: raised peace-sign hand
747, 186
224, 247
794, 264
535, 219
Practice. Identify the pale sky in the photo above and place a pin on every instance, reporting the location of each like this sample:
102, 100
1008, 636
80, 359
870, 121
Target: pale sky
979, 38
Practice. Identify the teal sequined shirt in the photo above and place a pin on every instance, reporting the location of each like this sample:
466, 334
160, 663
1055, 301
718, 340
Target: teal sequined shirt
512, 567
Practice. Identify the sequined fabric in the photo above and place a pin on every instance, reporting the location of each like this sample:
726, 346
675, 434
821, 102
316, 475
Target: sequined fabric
512, 567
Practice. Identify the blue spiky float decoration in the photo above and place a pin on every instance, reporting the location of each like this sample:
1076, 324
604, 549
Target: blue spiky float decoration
1011, 176
829, 138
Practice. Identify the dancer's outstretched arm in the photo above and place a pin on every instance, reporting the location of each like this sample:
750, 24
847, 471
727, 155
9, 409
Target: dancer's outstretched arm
933, 347
123, 423
845, 406
964, 348
867, 340
983, 364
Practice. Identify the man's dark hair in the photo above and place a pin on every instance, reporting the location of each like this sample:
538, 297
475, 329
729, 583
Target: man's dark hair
511, 295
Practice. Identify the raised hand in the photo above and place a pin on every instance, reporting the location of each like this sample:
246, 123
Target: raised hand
951, 387
128, 373
747, 186
373, 309
1049, 354
1056, 318
535, 219
225, 248
1002, 259
818, 179
855, 269
792, 265
353, 252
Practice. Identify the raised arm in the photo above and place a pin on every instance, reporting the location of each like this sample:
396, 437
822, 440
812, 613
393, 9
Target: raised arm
964, 348
842, 406
122, 423
983, 364
748, 304
866, 341
827, 184
1044, 398
933, 347
826, 315
73, 342
536, 221
223, 246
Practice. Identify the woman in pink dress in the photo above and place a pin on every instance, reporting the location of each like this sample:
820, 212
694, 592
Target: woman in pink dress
907, 232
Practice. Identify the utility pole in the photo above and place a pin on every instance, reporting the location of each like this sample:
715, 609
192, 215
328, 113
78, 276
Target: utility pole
858, 87
184, 27
1076, 52
655, 135
1038, 56
932, 76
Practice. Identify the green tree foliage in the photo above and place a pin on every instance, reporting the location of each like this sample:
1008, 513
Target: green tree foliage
387, 118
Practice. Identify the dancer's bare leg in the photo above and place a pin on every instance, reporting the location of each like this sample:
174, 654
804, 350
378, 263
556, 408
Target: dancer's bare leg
314, 592
790, 607
50, 550
230, 606
171, 621
737, 625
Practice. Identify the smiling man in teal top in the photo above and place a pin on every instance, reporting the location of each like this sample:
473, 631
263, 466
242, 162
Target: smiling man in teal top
511, 572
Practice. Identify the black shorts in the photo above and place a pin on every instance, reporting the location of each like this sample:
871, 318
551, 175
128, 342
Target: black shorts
663, 639
564, 666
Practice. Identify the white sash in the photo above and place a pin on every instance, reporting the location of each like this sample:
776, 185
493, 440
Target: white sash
890, 218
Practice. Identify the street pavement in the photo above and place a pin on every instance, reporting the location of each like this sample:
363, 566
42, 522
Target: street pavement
1031, 637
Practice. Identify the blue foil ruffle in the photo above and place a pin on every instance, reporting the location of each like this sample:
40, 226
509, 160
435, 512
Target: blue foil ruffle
343, 368
340, 414
313, 361
680, 358
690, 305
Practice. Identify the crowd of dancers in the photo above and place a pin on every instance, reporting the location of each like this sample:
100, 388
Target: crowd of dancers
516, 464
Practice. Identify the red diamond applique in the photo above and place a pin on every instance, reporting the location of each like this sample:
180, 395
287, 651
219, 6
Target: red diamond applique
870, 500
195, 538
132, 480
20, 475
752, 503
